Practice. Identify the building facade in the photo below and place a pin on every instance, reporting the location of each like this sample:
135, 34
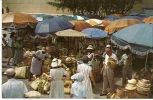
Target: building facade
41, 6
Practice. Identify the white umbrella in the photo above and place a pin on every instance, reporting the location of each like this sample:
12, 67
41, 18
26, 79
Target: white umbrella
94, 22
70, 33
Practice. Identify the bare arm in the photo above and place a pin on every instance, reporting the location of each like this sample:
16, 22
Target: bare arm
92, 78
71, 95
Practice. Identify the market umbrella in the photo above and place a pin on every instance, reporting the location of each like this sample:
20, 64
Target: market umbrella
94, 22
18, 20
148, 20
41, 17
70, 33
77, 17
94, 33
80, 25
134, 17
111, 18
120, 24
66, 17
50, 26
105, 23
138, 38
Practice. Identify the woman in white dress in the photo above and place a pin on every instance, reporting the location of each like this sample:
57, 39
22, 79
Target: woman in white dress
87, 72
56, 75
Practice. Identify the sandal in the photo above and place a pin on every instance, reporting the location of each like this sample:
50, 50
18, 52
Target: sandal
103, 94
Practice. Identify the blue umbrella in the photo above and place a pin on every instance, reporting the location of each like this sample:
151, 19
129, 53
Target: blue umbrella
94, 33
50, 26
138, 38
66, 17
134, 17
76, 17
111, 18
41, 17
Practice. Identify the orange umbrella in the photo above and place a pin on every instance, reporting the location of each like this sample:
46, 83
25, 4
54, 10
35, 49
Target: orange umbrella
120, 24
105, 23
148, 20
80, 25
19, 20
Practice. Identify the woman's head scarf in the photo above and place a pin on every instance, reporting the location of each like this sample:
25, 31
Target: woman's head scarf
78, 77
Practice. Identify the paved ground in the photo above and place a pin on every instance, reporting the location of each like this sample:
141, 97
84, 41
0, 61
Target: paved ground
96, 90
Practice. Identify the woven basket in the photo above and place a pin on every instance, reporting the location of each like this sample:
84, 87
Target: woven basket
130, 93
120, 92
141, 96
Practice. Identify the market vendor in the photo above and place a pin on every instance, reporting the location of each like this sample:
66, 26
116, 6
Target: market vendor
37, 61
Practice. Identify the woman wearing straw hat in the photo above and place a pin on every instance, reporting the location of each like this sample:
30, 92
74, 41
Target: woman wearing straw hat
90, 55
88, 76
56, 75
37, 60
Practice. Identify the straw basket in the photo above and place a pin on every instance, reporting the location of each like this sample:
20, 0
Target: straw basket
120, 92
142, 96
130, 93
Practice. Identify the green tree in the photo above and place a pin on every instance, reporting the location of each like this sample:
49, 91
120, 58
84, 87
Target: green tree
95, 6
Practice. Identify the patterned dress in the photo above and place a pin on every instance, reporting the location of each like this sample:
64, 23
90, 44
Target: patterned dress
57, 84
36, 64
85, 69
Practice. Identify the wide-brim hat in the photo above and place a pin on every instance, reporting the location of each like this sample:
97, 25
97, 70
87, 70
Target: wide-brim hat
43, 49
56, 62
108, 46
10, 72
132, 81
39, 47
143, 89
130, 86
143, 83
90, 47
19, 38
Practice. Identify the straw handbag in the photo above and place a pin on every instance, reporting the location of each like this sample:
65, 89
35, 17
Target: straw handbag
21, 72
5, 53
67, 86
34, 84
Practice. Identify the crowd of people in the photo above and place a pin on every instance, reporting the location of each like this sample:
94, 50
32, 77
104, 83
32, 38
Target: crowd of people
83, 79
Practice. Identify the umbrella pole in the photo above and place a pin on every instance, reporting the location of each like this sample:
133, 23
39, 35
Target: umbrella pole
146, 62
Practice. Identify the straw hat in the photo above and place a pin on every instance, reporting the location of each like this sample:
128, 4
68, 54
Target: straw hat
18, 38
39, 47
56, 62
9, 72
43, 49
143, 83
108, 46
130, 86
90, 47
132, 81
111, 62
120, 93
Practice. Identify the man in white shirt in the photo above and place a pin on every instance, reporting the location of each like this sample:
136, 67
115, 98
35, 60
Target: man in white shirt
13, 88
108, 72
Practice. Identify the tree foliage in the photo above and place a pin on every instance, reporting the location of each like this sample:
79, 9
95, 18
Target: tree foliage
95, 6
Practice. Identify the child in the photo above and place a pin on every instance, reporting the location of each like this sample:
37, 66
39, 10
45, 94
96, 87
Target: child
78, 90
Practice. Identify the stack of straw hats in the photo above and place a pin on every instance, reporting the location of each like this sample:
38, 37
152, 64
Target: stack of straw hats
143, 86
120, 93
130, 88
